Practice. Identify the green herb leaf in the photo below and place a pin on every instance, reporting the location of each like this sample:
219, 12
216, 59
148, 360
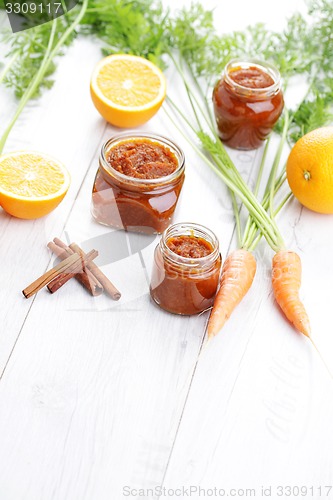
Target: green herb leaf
30, 47
137, 27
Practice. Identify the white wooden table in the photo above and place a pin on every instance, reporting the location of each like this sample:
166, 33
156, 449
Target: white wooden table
101, 398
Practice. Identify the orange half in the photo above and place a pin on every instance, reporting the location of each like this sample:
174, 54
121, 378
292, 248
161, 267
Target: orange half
127, 90
31, 184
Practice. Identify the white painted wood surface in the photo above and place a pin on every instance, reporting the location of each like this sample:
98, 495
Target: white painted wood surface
97, 395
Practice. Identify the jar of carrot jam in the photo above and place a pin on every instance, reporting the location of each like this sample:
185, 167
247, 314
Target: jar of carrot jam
248, 102
186, 269
138, 183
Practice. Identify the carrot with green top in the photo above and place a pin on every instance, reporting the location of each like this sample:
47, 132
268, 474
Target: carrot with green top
239, 269
238, 273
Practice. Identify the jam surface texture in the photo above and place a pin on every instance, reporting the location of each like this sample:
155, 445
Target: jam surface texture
252, 77
142, 159
190, 247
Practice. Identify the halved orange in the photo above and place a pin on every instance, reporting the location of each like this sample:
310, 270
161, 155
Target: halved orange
31, 184
127, 90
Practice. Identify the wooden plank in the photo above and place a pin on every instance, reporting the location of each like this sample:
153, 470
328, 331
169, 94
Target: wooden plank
94, 391
99, 384
41, 127
264, 417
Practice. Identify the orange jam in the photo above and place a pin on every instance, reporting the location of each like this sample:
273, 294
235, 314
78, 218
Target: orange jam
251, 77
189, 246
186, 269
138, 183
142, 159
247, 101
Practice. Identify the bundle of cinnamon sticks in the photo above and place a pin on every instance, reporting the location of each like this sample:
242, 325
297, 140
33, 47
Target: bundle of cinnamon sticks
74, 264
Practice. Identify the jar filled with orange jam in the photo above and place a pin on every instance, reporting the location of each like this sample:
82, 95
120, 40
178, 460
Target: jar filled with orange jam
186, 269
138, 183
248, 102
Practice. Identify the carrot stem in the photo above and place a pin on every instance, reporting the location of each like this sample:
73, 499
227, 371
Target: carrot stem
221, 161
277, 162
255, 242
250, 238
236, 211
8, 66
256, 191
261, 167
192, 97
237, 185
259, 214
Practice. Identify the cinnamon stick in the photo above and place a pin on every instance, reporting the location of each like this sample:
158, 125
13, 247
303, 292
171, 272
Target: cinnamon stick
104, 280
86, 278
50, 275
61, 279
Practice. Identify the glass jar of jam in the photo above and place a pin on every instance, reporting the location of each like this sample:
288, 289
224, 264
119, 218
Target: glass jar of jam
186, 269
138, 183
247, 101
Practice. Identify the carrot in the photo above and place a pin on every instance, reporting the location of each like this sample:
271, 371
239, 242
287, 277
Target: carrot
237, 276
286, 281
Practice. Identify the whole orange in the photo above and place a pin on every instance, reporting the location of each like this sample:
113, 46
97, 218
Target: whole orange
310, 170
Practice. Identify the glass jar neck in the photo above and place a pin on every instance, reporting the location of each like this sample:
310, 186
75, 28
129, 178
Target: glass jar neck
134, 181
247, 91
195, 230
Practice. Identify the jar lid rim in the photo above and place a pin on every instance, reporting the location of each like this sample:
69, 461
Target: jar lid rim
138, 180
205, 233
268, 68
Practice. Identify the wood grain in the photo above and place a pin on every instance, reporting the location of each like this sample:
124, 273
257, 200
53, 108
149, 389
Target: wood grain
96, 382
23, 242
97, 395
